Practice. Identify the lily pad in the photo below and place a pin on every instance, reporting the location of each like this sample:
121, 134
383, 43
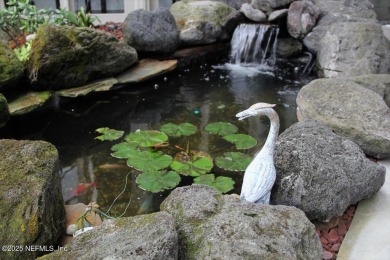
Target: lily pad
222, 184
108, 134
147, 138
241, 141
221, 128
233, 161
157, 181
184, 129
123, 150
148, 160
193, 164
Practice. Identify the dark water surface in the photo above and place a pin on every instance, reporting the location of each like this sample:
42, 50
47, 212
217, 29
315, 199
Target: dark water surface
200, 94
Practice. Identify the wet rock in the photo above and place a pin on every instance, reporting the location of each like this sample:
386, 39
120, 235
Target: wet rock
269, 6
288, 47
148, 31
31, 205
253, 14
322, 173
11, 69
66, 56
151, 236
236, 4
28, 102
4, 111
278, 14
212, 225
302, 16
201, 22
351, 110
96, 86
352, 49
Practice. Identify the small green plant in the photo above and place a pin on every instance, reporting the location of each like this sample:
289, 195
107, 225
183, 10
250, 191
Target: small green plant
23, 52
148, 152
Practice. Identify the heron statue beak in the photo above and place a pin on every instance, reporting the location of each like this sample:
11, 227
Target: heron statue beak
245, 114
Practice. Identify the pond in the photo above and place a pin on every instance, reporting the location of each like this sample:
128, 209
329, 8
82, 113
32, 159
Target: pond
200, 93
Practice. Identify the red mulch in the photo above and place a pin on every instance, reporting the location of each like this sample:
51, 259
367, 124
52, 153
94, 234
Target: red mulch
113, 28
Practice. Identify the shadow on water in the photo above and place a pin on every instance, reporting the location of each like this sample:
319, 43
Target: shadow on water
200, 94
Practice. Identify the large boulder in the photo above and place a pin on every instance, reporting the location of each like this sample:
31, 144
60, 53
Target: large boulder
151, 31
201, 22
352, 49
335, 12
216, 226
322, 173
31, 205
351, 110
67, 56
11, 69
301, 18
269, 6
4, 111
151, 236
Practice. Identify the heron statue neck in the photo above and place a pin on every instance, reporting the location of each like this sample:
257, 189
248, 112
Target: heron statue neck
269, 145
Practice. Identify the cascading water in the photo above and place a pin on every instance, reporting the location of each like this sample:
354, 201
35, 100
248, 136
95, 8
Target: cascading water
254, 44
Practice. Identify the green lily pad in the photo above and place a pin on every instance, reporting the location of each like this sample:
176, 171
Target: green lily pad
184, 129
194, 164
108, 134
221, 128
123, 150
147, 138
233, 161
221, 183
241, 141
157, 181
148, 160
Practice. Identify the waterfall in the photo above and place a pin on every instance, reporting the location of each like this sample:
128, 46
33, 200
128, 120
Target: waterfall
254, 44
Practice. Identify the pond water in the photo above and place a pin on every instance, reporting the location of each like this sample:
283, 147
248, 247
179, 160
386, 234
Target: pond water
201, 93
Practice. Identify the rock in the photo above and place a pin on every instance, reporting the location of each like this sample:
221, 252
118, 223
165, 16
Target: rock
301, 18
201, 22
216, 226
11, 69
151, 236
350, 110
28, 102
31, 205
66, 56
102, 85
148, 31
269, 6
4, 111
278, 14
236, 4
327, 255
322, 173
288, 47
335, 12
253, 14
352, 49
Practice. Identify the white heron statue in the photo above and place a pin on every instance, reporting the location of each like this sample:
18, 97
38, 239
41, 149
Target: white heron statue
260, 174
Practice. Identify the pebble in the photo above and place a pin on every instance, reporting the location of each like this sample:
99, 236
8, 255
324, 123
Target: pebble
328, 255
332, 236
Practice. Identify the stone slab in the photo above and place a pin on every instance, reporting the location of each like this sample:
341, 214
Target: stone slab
28, 102
97, 86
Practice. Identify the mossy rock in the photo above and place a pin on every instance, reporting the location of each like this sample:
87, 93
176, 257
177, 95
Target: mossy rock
31, 205
11, 69
4, 111
66, 57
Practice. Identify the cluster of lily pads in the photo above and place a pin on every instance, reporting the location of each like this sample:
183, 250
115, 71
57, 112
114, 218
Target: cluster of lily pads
144, 151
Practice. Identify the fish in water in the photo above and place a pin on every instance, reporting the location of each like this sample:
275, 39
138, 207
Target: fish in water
112, 166
82, 187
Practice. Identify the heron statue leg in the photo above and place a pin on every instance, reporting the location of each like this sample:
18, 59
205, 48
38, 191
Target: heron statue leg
265, 199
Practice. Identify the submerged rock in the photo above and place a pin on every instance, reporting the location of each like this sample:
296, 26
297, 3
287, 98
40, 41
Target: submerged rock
288, 47
11, 69
66, 56
216, 226
4, 111
322, 173
28, 102
31, 205
151, 31
351, 110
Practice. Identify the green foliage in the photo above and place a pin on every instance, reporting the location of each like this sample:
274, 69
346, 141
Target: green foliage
108, 134
82, 19
23, 52
146, 151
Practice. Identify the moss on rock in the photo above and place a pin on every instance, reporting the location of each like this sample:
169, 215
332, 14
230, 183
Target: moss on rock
11, 69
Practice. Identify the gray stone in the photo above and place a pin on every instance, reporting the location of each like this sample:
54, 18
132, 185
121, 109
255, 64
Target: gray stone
4, 111
278, 14
216, 226
151, 236
66, 57
253, 14
350, 110
269, 6
352, 49
28, 102
236, 4
151, 31
201, 22
11, 69
31, 205
288, 47
301, 18
322, 173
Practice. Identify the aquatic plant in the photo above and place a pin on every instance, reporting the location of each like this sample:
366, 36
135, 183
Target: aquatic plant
150, 152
